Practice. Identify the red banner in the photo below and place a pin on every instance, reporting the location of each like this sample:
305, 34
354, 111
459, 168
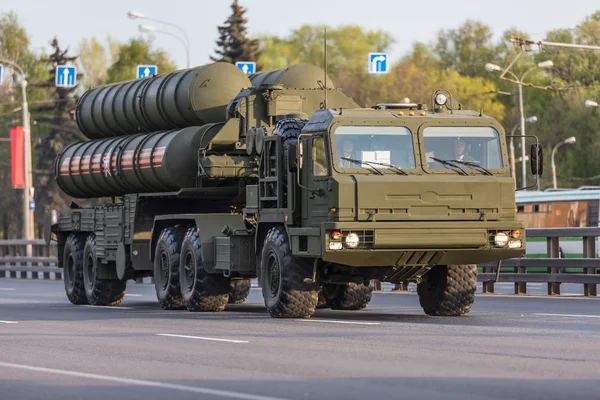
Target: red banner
17, 156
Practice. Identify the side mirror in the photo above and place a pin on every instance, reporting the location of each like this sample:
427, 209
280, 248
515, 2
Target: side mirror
291, 157
537, 159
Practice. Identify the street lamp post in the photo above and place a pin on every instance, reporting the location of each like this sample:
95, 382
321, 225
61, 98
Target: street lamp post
28, 189
132, 14
152, 28
520, 82
570, 140
513, 168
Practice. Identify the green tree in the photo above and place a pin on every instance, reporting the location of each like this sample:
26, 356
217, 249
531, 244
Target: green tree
61, 131
136, 52
233, 44
466, 49
93, 62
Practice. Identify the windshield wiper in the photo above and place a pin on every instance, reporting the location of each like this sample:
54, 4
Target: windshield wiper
397, 169
474, 165
361, 163
450, 163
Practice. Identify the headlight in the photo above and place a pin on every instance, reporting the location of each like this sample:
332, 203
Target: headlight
500, 239
335, 245
515, 244
352, 240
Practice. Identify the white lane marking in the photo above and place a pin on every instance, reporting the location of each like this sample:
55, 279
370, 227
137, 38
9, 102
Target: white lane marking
328, 321
133, 295
568, 315
202, 338
139, 382
7, 289
8, 322
109, 307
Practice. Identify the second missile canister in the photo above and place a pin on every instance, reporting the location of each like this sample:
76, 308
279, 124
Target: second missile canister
189, 97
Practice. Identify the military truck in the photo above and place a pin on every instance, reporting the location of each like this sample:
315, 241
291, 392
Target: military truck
211, 178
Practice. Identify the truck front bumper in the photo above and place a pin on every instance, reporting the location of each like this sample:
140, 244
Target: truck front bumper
426, 243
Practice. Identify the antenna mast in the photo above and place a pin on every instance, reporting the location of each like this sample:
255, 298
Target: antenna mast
325, 69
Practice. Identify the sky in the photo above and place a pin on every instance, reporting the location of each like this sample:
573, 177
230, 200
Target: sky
407, 22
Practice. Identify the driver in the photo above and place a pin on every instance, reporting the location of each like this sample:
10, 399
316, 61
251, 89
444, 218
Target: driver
460, 151
347, 152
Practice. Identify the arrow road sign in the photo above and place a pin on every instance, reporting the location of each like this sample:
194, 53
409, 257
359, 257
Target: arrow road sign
66, 76
248, 67
378, 63
1, 73
144, 71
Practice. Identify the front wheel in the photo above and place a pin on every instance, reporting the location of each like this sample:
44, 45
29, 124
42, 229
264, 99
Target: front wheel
166, 268
448, 290
200, 290
285, 291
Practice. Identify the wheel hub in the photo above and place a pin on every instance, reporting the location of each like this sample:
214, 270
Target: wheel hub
273, 274
164, 270
190, 271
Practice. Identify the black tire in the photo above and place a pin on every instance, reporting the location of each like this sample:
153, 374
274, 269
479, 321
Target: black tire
99, 292
239, 289
289, 129
448, 290
73, 268
285, 292
200, 290
348, 296
166, 268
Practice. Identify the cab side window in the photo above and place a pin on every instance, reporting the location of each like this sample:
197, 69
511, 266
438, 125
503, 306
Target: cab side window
319, 156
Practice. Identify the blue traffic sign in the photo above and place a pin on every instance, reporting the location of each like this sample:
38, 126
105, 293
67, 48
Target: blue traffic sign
1, 73
378, 63
144, 71
66, 76
248, 67
32, 205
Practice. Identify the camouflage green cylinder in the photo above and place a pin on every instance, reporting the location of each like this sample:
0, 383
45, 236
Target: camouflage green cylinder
298, 76
164, 161
189, 97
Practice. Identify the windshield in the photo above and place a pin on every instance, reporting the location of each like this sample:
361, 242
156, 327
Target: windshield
467, 146
366, 147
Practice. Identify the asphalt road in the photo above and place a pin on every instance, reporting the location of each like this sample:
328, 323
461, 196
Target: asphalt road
506, 348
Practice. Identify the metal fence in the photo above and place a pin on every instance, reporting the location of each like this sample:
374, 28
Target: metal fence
553, 266
43, 263
14, 262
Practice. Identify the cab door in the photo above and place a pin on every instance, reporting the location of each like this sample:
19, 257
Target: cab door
315, 179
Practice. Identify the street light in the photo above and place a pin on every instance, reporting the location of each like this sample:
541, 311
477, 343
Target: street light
570, 140
513, 169
591, 103
132, 14
28, 189
542, 64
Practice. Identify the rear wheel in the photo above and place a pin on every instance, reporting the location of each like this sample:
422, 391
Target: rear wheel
166, 268
348, 296
285, 291
99, 292
448, 290
73, 268
239, 289
200, 290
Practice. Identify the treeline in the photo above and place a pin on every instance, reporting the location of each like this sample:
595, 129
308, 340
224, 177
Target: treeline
455, 60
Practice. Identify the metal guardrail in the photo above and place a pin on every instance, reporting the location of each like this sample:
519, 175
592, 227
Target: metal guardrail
553, 264
43, 264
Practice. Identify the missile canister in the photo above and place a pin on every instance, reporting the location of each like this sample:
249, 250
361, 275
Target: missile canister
299, 76
145, 163
188, 97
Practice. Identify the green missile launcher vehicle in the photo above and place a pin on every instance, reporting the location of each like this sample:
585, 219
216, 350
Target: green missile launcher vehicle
292, 183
